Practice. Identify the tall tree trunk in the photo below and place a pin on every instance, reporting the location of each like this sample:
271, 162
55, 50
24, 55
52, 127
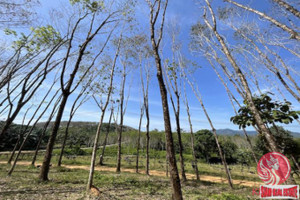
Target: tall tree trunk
118, 170
195, 162
181, 159
147, 134
95, 147
14, 150
175, 181
139, 141
48, 155
198, 95
64, 141
110, 89
44, 131
106, 137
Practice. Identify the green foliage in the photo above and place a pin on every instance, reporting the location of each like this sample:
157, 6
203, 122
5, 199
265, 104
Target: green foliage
43, 36
244, 156
229, 150
270, 112
283, 138
76, 150
12, 135
205, 144
8, 31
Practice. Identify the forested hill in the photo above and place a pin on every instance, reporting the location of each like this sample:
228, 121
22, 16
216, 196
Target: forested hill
87, 125
93, 125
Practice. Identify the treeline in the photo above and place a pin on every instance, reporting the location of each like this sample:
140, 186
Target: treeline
235, 148
15, 136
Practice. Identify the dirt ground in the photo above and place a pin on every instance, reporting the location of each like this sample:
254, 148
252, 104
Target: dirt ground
189, 176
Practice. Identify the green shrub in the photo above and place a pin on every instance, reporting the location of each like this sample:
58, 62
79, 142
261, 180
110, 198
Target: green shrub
75, 151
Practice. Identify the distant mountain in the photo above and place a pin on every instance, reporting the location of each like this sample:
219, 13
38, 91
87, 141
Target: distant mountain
228, 131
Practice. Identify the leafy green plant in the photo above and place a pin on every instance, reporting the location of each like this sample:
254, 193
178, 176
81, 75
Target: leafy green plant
270, 111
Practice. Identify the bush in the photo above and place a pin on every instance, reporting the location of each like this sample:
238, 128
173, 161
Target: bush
75, 151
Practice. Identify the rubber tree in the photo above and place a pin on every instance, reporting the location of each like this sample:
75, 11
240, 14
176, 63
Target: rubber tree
106, 134
172, 71
199, 98
127, 52
44, 130
32, 128
44, 48
143, 54
158, 7
195, 162
248, 94
66, 86
103, 105
22, 138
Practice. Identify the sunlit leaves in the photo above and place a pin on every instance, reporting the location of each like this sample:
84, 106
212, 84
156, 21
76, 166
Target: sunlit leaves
43, 36
270, 111
8, 31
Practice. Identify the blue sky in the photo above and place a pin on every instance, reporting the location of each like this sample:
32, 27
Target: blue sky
185, 13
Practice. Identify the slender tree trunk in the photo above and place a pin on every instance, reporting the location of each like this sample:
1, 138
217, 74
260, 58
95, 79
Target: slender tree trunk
64, 142
118, 170
214, 133
175, 181
147, 136
95, 147
145, 91
181, 159
195, 162
14, 150
251, 146
138, 141
106, 137
38, 147
94, 153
